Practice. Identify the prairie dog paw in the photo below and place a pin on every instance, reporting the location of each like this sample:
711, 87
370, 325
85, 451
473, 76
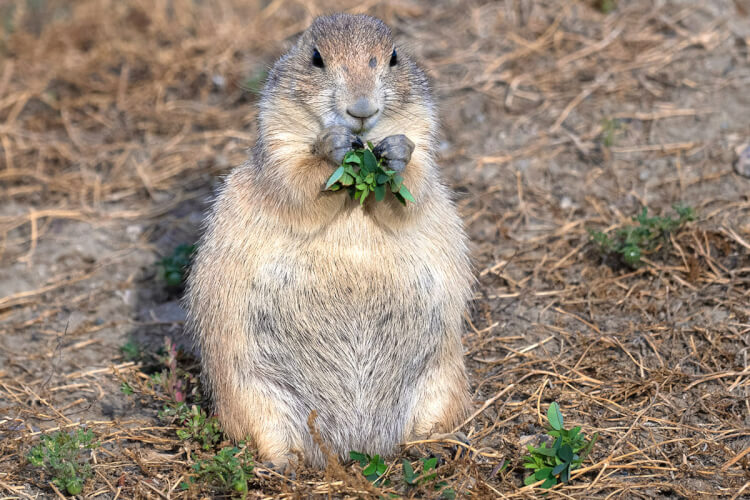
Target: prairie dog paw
334, 142
396, 150
285, 465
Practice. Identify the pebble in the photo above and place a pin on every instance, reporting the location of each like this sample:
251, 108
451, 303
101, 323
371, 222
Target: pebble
742, 165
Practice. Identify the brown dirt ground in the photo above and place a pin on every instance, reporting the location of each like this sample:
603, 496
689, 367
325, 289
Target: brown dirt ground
118, 118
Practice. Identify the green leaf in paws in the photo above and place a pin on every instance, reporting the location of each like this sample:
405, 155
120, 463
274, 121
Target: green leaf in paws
347, 179
333, 179
370, 162
352, 157
362, 173
379, 192
406, 194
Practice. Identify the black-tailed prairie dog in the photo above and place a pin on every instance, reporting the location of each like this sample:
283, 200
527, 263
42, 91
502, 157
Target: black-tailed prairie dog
304, 300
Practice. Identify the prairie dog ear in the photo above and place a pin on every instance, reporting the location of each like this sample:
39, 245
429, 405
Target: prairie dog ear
287, 43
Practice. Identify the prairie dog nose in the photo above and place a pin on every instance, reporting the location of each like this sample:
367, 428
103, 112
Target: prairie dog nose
362, 108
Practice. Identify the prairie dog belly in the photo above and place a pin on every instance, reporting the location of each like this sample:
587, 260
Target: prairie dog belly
347, 326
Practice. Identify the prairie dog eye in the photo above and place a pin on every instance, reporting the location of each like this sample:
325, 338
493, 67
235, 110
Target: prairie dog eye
317, 59
394, 58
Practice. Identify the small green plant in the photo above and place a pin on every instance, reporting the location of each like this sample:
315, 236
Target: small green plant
131, 350
373, 467
610, 127
62, 456
174, 267
126, 389
428, 471
361, 173
194, 424
230, 470
606, 6
171, 379
428, 474
554, 464
629, 243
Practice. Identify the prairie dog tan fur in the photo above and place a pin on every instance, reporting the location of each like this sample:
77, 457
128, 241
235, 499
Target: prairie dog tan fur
301, 299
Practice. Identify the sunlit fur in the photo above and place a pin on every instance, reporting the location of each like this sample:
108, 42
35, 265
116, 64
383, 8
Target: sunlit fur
302, 300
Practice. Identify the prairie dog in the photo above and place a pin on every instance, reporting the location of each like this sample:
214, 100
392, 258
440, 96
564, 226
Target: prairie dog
301, 299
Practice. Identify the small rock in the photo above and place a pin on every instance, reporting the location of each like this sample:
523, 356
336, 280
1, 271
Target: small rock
169, 312
133, 232
445, 146
75, 320
742, 165
219, 81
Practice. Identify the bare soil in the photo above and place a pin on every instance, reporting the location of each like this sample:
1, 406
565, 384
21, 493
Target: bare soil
118, 119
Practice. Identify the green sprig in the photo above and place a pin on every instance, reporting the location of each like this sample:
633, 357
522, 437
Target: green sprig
362, 173
554, 464
630, 242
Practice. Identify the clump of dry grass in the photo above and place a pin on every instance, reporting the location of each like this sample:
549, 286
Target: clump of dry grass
115, 117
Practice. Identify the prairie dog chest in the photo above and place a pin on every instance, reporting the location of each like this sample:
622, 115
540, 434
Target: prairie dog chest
355, 258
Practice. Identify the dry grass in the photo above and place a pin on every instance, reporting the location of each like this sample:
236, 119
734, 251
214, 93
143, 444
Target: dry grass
116, 118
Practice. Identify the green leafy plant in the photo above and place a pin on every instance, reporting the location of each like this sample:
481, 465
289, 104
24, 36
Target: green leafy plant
362, 173
131, 350
174, 267
428, 471
610, 127
172, 379
195, 424
428, 474
126, 389
230, 470
62, 455
630, 242
373, 467
554, 464
606, 6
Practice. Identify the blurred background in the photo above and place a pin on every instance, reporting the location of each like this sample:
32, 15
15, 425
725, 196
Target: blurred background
559, 119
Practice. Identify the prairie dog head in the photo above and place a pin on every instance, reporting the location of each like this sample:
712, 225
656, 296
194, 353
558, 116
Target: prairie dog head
346, 70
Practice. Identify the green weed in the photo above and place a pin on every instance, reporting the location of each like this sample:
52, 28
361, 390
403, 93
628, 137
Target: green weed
174, 381
373, 467
131, 350
229, 470
610, 127
606, 6
173, 268
127, 389
195, 424
62, 456
554, 464
428, 474
630, 242
361, 173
